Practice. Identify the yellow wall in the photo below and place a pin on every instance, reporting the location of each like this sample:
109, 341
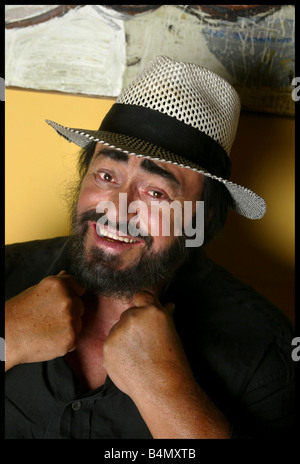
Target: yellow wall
261, 252
39, 162
39, 165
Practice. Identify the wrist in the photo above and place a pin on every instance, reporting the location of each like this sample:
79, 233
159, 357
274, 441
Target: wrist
165, 385
13, 349
179, 408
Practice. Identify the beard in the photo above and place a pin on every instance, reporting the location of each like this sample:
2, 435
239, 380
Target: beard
100, 272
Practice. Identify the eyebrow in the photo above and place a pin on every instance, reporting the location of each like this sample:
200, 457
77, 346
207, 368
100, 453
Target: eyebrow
153, 168
147, 164
115, 155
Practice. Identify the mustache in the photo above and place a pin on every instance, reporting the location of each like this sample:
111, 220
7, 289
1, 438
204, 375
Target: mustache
93, 216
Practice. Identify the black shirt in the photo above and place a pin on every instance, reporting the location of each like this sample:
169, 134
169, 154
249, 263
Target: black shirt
238, 345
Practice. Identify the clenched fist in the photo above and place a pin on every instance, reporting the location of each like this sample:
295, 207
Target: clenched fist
144, 357
44, 321
143, 347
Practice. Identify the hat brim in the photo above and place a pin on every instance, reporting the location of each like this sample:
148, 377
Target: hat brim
246, 202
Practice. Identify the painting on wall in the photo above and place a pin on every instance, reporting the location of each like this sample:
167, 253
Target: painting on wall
98, 49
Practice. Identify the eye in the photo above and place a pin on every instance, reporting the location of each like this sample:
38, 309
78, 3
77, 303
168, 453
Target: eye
157, 194
105, 176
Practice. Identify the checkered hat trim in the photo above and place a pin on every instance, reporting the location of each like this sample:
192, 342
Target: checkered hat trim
247, 203
203, 107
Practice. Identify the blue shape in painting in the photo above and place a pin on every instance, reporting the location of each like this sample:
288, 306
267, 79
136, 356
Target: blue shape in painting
255, 51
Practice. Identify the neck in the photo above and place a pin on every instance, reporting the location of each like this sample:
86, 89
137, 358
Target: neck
103, 312
100, 315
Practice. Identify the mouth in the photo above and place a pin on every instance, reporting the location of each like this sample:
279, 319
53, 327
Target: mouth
114, 238
106, 236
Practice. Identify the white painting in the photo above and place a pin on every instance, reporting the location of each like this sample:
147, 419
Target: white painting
99, 49
80, 51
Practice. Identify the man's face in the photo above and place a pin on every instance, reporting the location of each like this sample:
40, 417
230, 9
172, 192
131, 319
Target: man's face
123, 263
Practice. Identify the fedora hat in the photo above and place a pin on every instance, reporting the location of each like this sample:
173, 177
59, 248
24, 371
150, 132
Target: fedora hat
178, 113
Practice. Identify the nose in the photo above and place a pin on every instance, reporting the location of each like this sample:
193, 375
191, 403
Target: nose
120, 208
124, 198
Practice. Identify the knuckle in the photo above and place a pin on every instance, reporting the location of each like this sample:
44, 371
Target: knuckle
70, 337
131, 318
129, 315
153, 312
70, 318
157, 314
105, 351
153, 309
131, 312
50, 282
68, 321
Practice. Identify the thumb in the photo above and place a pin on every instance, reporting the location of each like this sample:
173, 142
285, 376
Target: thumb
70, 280
63, 272
170, 307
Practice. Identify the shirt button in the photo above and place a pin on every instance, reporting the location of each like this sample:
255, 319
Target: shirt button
76, 405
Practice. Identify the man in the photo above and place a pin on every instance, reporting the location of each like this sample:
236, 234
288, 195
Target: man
95, 348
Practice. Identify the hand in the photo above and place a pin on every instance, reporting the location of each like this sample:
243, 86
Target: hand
44, 321
143, 349
144, 357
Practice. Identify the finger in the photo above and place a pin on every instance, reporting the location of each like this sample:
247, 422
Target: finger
170, 307
77, 318
72, 349
72, 283
79, 306
62, 272
144, 298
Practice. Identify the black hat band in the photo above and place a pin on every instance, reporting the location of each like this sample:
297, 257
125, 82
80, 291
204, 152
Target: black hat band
167, 132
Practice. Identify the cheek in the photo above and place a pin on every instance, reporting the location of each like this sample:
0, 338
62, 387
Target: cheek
165, 223
89, 197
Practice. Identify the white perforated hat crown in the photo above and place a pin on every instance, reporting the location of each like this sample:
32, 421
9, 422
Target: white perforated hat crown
178, 113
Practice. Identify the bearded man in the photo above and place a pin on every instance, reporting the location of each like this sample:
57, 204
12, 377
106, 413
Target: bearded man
120, 332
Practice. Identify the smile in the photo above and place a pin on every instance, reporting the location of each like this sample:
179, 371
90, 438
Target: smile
113, 238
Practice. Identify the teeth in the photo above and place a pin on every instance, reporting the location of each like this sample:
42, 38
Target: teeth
115, 237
